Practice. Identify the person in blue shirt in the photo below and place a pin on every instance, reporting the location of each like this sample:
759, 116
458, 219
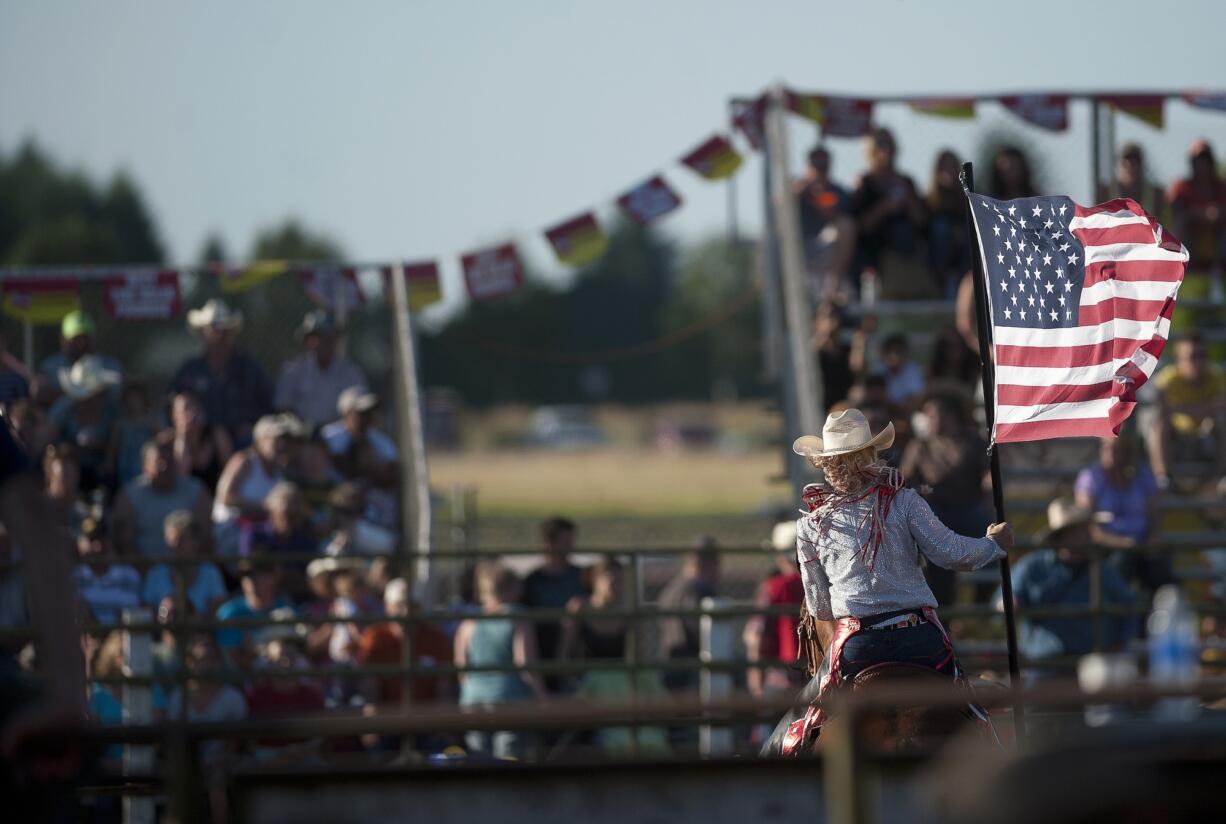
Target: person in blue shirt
260, 596
1060, 576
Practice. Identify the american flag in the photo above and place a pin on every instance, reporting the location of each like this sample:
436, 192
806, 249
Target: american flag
1080, 302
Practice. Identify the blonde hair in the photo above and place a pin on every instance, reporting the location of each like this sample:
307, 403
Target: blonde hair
851, 470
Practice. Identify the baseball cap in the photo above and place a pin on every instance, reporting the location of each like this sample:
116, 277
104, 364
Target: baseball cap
77, 323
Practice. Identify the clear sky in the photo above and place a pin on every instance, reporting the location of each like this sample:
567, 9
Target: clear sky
421, 129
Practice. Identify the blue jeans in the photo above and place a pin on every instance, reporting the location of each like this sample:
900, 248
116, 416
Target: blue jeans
923, 645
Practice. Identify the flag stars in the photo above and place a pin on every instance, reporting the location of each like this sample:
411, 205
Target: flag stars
1008, 244
1068, 314
1013, 231
1022, 222
1029, 260
1059, 272
1055, 315
1012, 211
1062, 300
996, 230
1012, 272
1068, 286
1063, 209
1030, 300
1038, 210
1047, 260
1056, 235
999, 216
1000, 257
1043, 302
1014, 299
1048, 224
1072, 258
1023, 311
1064, 247
1008, 313
1049, 286
1004, 285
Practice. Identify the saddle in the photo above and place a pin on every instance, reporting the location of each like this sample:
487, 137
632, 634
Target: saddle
908, 727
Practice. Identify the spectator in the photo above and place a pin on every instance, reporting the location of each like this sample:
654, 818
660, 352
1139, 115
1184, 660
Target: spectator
949, 240
280, 650
500, 641
142, 505
552, 586
85, 416
771, 638
167, 657
1198, 209
679, 636
62, 474
953, 361
351, 533
361, 452
1061, 577
1191, 421
250, 475
105, 585
1123, 494
203, 583
313, 472
1010, 177
230, 384
136, 427
826, 229
904, 380
30, 424
287, 530
310, 385
261, 594
77, 331
384, 644
946, 462
14, 383
890, 219
105, 704
201, 448
1130, 181
840, 361
348, 598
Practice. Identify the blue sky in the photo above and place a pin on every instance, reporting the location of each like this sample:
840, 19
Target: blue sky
422, 129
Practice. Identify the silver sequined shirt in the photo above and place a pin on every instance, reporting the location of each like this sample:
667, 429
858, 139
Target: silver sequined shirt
839, 583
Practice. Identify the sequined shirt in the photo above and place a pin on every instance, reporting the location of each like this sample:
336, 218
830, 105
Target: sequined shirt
837, 580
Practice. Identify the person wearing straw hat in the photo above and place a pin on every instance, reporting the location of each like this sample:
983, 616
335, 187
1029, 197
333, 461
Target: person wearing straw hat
1060, 576
229, 383
310, 384
86, 415
860, 543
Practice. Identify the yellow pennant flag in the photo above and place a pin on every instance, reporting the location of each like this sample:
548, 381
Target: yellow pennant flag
423, 285
1148, 108
960, 108
714, 159
41, 302
808, 106
243, 278
578, 241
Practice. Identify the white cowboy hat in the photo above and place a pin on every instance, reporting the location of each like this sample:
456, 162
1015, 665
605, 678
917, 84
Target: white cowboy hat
356, 399
215, 314
86, 378
326, 566
846, 431
1063, 513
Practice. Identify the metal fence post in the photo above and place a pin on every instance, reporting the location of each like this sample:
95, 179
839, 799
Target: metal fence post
716, 645
137, 709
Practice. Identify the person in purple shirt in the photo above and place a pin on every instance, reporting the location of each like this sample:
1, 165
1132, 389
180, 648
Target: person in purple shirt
1123, 494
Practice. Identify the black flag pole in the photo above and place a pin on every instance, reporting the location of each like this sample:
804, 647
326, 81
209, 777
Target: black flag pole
988, 372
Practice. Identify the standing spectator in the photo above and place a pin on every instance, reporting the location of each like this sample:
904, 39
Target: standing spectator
949, 241
1010, 177
261, 594
1191, 421
552, 586
826, 229
310, 384
14, 383
1198, 208
106, 585
890, 219
904, 380
230, 384
62, 475
501, 641
203, 583
770, 638
136, 427
249, 476
1123, 493
841, 361
77, 332
680, 636
1130, 181
201, 448
85, 416
953, 361
384, 644
363, 453
142, 506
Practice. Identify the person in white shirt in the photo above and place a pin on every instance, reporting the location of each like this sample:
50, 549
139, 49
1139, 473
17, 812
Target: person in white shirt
310, 384
364, 454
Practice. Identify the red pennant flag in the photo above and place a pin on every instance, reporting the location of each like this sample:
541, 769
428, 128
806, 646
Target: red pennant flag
145, 295
578, 241
838, 116
649, 200
1148, 108
491, 273
328, 283
1047, 111
41, 300
422, 281
749, 117
1206, 100
714, 159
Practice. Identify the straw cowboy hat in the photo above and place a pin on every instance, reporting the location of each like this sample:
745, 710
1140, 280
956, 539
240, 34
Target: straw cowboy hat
327, 566
846, 431
215, 314
86, 378
1063, 513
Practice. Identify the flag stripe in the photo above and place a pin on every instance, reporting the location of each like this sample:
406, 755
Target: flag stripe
1117, 309
1151, 290
1131, 233
1082, 335
1075, 357
1098, 407
1082, 374
1064, 428
1170, 271
1020, 395
1131, 251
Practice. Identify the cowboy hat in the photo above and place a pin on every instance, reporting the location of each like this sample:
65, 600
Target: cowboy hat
356, 399
215, 314
844, 432
326, 566
86, 378
318, 322
1063, 513
280, 631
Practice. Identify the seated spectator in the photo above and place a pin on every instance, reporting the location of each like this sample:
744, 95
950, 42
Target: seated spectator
347, 598
61, 474
904, 380
953, 361
261, 594
1010, 176
949, 240
1191, 421
142, 505
352, 533
501, 641
361, 452
1123, 494
680, 636
1061, 577
105, 585
771, 638
826, 228
136, 426
840, 361
201, 448
946, 462
202, 583
316, 477
105, 660
310, 385
384, 644
14, 383
77, 332
1130, 181
890, 223
287, 530
167, 657
1198, 209
229, 383
31, 425
86, 415
280, 650
249, 476
552, 586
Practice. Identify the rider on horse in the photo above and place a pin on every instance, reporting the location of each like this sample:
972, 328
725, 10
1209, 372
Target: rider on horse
859, 545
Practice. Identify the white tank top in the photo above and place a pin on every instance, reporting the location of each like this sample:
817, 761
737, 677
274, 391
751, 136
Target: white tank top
253, 489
